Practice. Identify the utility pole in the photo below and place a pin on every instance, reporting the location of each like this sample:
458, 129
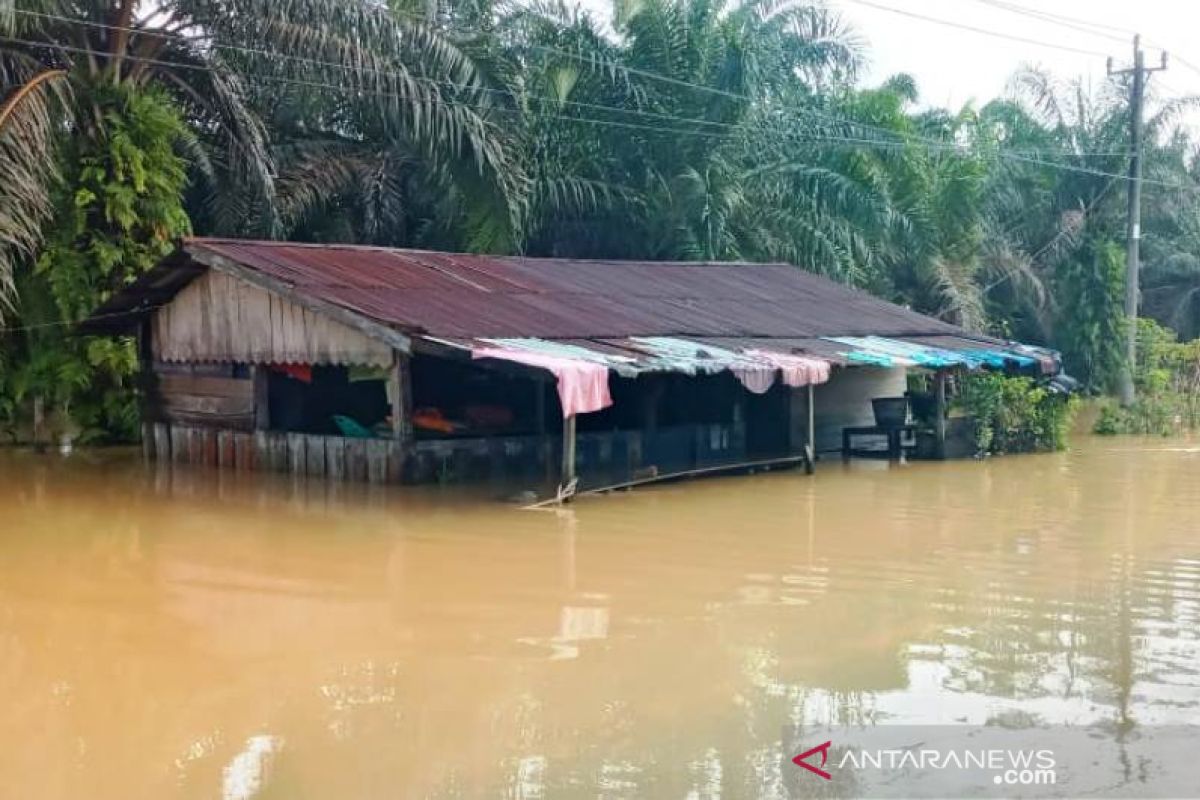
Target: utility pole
1140, 73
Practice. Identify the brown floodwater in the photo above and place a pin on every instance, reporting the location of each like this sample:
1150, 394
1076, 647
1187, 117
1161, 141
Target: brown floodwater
196, 635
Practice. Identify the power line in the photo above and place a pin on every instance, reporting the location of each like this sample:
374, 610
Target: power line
38, 326
450, 84
1183, 62
539, 48
903, 138
930, 144
1062, 232
800, 109
983, 31
901, 141
1073, 23
899, 137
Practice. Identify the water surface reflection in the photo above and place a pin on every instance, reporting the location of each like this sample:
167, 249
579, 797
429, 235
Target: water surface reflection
189, 634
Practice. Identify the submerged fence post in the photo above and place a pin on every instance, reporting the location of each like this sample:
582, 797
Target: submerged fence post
568, 459
940, 421
401, 398
810, 449
400, 395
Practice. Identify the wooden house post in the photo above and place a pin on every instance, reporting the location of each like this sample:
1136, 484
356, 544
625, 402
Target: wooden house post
939, 425
568, 463
401, 394
262, 407
397, 451
810, 449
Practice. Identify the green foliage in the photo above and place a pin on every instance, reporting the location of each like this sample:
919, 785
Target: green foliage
692, 129
118, 212
1015, 414
121, 210
1168, 387
1091, 328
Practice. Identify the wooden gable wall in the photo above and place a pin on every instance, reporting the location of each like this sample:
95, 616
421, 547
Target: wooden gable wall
218, 317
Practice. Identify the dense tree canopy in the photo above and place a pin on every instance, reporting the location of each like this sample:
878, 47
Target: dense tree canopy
686, 129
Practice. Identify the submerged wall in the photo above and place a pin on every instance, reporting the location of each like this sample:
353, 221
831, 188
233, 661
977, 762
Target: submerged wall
845, 401
220, 420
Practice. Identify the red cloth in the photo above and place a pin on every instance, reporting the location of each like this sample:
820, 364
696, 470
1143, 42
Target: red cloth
301, 372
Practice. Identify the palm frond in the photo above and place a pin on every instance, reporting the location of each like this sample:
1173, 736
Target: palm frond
30, 120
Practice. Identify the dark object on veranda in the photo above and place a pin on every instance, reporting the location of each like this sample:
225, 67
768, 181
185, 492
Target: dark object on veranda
924, 406
890, 412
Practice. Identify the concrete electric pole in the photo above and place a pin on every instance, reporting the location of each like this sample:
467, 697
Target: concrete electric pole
1140, 73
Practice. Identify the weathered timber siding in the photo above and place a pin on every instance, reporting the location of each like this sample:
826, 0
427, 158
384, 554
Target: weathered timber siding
220, 318
602, 458
220, 402
331, 457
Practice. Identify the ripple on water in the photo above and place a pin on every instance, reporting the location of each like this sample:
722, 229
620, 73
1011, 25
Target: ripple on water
255, 636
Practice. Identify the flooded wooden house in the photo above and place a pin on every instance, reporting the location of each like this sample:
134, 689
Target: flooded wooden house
400, 365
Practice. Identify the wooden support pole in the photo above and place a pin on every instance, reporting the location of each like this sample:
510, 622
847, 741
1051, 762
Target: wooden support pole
940, 420
262, 403
401, 397
568, 462
810, 449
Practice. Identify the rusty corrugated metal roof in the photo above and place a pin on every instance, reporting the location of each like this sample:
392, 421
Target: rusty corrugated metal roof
480, 296
471, 295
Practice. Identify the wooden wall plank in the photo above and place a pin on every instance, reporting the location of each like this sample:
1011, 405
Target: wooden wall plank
221, 318
226, 454
162, 441
208, 447
277, 442
377, 460
179, 451
356, 459
205, 385
262, 450
195, 446
335, 458
243, 451
397, 450
205, 400
314, 448
297, 459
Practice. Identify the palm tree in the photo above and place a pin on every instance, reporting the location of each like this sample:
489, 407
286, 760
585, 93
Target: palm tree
342, 72
1050, 230
689, 135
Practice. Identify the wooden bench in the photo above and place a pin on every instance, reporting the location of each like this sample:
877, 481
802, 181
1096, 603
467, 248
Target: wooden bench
901, 439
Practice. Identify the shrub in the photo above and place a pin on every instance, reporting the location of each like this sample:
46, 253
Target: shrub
119, 209
1168, 387
1015, 414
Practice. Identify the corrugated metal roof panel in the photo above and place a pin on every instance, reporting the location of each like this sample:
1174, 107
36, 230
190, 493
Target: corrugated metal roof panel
474, 296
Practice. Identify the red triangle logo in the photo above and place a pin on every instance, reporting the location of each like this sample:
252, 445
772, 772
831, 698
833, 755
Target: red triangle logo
823, 749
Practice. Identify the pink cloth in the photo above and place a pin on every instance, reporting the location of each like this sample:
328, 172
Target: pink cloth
582, 385
796, 370
756, 378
